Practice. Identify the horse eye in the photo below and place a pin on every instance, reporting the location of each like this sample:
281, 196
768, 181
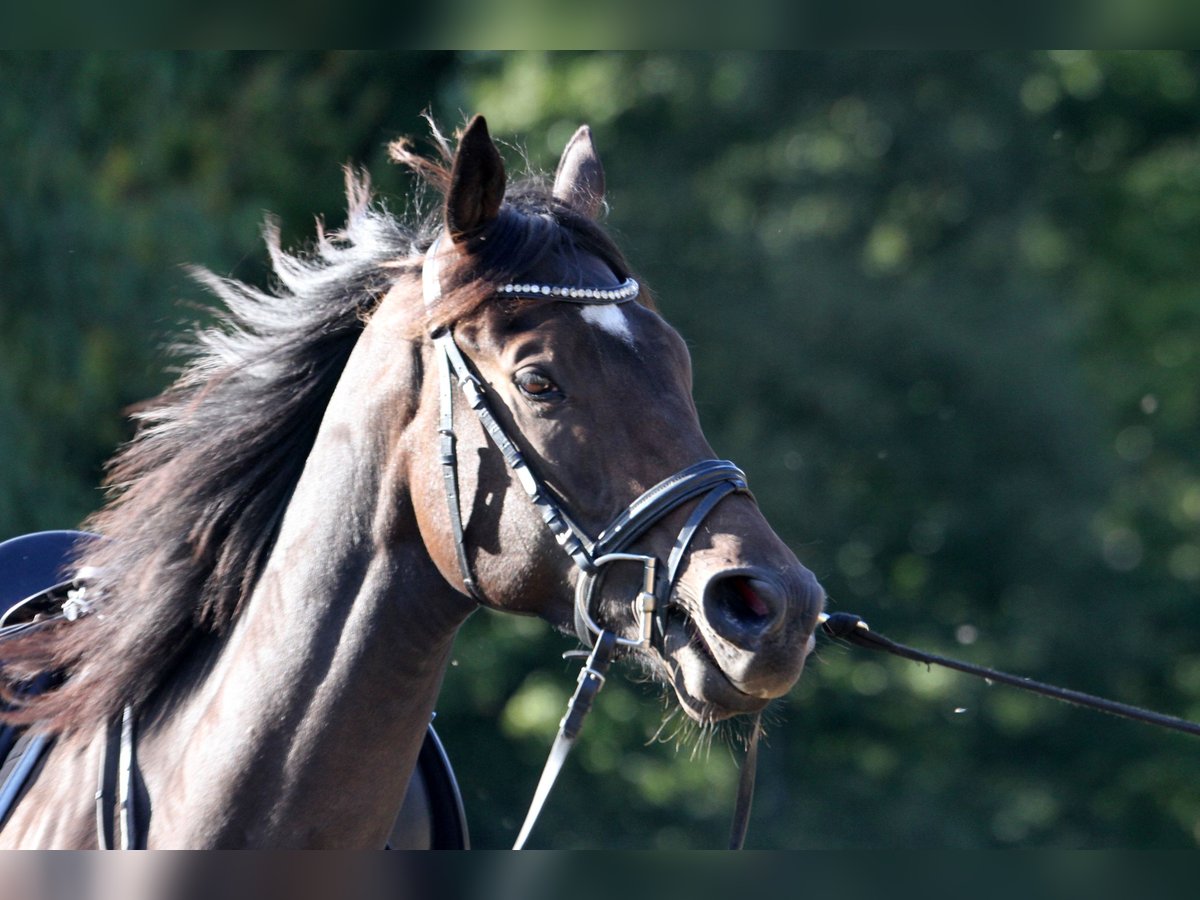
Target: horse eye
536, 385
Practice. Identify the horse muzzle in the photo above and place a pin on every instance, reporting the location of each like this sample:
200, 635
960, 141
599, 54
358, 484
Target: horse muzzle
734, 639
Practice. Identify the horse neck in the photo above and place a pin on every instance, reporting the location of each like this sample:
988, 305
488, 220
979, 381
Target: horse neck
306, 730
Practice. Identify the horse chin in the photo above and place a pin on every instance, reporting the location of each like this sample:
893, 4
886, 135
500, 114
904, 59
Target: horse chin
704, 691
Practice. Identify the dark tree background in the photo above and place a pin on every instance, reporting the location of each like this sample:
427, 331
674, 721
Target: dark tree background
945, 311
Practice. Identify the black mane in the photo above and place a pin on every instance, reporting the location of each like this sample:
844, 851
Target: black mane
196, 498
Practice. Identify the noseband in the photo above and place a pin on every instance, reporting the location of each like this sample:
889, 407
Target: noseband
710, 479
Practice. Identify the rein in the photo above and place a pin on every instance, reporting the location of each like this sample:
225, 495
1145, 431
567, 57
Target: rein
853, 630
711, 480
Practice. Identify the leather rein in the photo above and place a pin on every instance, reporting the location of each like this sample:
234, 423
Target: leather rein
709, 481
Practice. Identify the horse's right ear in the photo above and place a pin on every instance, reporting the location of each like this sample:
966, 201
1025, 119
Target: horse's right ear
476, 183
579, 181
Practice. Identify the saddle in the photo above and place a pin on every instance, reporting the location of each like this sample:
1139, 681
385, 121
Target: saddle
37, 581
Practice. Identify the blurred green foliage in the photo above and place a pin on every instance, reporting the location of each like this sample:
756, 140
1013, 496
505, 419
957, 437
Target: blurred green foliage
944, 309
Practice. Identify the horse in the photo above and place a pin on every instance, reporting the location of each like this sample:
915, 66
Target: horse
303, 520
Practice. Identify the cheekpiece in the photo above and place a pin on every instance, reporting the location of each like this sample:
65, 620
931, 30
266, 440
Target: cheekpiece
626, 290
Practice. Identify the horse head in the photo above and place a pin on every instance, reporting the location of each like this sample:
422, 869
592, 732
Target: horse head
592, 389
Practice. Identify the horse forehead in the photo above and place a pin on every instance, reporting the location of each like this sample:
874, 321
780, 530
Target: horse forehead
609, 317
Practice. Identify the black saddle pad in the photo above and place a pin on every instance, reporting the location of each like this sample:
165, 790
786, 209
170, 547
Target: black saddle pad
33, 563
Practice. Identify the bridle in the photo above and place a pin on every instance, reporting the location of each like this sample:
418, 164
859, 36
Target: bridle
710, 480
713, 478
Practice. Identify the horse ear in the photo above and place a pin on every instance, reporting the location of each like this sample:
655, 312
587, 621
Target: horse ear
579, 181
476, 183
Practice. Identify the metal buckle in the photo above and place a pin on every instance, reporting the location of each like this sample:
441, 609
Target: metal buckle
643, 604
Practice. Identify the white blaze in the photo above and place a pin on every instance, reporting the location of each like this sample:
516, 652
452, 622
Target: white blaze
610, 317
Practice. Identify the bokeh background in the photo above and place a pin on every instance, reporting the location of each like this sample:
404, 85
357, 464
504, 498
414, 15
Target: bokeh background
944, 310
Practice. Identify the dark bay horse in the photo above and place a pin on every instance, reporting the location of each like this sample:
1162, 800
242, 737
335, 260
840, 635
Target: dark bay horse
306, 517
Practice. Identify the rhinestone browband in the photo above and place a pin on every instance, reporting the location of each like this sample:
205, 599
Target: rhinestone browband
627, 290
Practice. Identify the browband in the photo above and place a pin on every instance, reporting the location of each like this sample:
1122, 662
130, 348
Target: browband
431, 283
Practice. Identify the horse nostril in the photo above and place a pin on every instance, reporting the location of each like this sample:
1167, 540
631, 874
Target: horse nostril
742, 608
750, 599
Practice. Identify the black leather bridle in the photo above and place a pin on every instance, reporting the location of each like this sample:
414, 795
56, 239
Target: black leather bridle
710, 480
713, 479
